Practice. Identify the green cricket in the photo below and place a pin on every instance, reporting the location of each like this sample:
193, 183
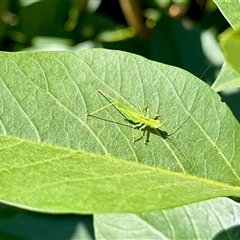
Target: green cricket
143, 123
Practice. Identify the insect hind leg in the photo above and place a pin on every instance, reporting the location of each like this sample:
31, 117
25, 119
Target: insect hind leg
140, 138
146, 109
142, 128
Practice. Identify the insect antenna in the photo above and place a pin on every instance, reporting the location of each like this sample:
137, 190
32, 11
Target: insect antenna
168, 135
206, 70
110, 121
112, 103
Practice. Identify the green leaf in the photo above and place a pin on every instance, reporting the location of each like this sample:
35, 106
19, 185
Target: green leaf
230, 11
230, 45
226, 79
56, 159
188, 222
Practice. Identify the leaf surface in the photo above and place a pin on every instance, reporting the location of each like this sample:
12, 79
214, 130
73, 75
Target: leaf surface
187, 222
56, 159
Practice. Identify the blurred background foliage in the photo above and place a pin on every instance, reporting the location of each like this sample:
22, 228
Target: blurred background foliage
182, 33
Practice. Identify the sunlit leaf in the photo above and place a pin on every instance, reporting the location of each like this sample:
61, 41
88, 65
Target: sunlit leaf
56, 159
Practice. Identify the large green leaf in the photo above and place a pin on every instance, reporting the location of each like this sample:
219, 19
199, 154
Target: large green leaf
56, 159
212, 219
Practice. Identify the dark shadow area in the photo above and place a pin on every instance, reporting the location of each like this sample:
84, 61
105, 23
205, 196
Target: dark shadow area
17, 223
233, 101
232, 233
178, 45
